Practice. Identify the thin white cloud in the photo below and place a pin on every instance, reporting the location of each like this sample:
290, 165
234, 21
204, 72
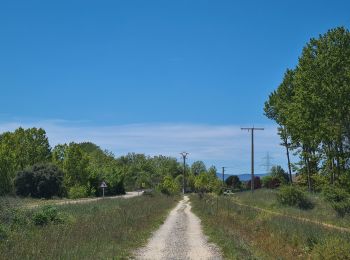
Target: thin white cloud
221, 145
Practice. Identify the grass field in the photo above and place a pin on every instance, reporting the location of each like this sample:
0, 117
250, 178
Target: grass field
106, 229
266, 199
247, 233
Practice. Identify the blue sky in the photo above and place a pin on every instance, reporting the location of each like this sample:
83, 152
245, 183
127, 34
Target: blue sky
132, 75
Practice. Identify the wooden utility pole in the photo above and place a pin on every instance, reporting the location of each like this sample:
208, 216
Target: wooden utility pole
223, 176
251, 129
184, 156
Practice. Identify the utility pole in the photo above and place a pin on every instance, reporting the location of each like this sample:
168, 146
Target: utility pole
184, 156
223, 176
251, 129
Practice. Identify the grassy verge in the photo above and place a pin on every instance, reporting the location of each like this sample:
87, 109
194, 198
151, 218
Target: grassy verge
266, 199
104, 229
247, 233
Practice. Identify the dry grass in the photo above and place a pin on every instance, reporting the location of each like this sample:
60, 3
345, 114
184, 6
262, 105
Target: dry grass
247, 233
98, 230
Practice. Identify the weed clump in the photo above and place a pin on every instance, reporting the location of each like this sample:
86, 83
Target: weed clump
77, 192
293, 196
46, 215
332, 248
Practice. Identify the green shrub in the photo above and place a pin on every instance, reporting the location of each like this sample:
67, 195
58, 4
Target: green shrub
270, 182
77, 192
335, 194
45, 215
293, 196
39, 181
342, 207
3, 233
233, 181
169, 186
257, 183
331, 249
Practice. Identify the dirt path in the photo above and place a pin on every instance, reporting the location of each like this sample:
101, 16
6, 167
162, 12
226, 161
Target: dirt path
180, 237
85, 200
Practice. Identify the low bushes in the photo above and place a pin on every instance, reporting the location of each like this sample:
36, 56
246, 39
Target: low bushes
77, 192
342, 207
270, 182
46, 215
294, 196
330, 249
335, 194
39, 181
257, 183
339, 198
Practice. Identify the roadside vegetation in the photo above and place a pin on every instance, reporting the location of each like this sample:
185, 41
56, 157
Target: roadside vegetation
98, 230
245, 232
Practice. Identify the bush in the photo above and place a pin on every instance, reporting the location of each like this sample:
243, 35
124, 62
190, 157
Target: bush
169, 186
293, 196
46, 215
257, 183
77, 192
3, 233
335, 194
342, 207
331, 249
279, 173
40, 181
270, 182
233, 181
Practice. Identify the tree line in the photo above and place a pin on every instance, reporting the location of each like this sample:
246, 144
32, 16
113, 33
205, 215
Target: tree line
29, 166
312, 108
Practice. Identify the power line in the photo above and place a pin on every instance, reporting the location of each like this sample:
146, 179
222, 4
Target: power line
267, 163
252, 129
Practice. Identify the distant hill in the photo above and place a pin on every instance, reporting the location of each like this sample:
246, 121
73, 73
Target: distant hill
242, 177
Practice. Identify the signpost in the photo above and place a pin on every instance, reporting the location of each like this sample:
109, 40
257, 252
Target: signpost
103, 186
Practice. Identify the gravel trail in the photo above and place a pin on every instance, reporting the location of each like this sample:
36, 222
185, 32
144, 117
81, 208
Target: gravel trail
180, 237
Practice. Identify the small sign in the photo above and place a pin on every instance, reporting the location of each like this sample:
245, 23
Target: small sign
103, 186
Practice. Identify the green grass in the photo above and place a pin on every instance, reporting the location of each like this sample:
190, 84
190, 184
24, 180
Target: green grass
247, 233
266, 199
106, 229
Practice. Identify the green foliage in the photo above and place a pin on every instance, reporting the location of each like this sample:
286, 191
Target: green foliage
277, 172
270, 182
18, 150
169, 186
84, 164
233, 181
3, 233
335, 194
207, 182
39, 181
294, 196
257, 183
198, 167
312, 105
45, 215
77, 192
75, 166
331, 249
342, 207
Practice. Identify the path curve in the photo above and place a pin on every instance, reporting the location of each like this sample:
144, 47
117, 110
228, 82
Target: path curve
86, 200
180, 237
